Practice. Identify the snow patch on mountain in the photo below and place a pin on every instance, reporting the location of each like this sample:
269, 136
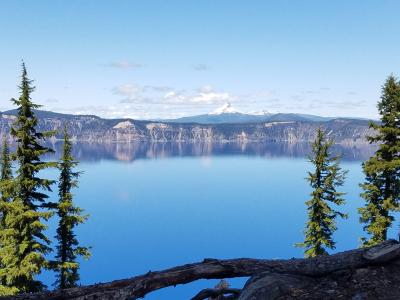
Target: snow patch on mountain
263, 112
228, 109
225, 109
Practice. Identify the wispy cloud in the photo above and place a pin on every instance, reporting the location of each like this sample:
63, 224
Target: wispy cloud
125, 110
202, 96
152, 101
124, 64
174, 97
310, 92
207, 95
200, 67
133, 93
351, 104
157, 88
128, 91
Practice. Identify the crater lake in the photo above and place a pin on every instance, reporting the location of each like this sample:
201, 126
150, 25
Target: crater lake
155, 206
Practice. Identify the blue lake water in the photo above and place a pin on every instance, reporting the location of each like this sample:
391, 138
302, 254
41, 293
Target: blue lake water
156, 206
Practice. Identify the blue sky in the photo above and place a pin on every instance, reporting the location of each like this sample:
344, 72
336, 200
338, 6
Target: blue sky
161, 59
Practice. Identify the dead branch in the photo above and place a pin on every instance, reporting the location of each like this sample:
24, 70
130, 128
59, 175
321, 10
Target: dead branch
139, 286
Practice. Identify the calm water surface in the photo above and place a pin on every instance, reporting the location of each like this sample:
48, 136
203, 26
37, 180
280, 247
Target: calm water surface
157, 206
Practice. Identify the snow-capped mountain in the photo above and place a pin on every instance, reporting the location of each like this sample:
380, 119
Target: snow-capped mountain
225, 109
229, 114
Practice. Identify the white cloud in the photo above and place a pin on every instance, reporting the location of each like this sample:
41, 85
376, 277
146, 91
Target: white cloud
207, 95
133, 93
174, 97
202, 96
206, 89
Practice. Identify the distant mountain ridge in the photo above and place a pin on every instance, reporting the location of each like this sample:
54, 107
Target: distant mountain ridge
247, 118
221, 115
288, 128
228, 114
46, 114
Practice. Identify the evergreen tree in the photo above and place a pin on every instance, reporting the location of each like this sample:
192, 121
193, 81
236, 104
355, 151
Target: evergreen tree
382, 171
70, 215
5, 164
327, 176
24, 243
5, 181
6, 190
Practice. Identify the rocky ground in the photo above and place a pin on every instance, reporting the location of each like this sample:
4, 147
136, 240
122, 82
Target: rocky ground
373, 282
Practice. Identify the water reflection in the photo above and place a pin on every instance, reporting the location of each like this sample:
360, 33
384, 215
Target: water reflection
93, 152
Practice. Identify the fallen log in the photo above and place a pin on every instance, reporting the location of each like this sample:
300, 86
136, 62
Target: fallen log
139, 286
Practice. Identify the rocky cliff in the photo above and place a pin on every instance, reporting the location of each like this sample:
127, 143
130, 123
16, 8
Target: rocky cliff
95, 129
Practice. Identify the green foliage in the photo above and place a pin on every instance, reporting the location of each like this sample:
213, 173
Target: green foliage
68, 248
24, 244
6, 192
5, 163
324, 180
381, 189
6, 181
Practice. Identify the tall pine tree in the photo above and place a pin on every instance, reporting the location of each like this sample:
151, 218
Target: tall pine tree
68, 249
324, 181
382, 171
6, 192
24, 243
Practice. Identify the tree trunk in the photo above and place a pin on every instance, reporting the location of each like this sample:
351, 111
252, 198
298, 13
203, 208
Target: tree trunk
139, 286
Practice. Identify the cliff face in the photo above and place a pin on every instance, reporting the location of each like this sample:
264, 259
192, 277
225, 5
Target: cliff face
95, 129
